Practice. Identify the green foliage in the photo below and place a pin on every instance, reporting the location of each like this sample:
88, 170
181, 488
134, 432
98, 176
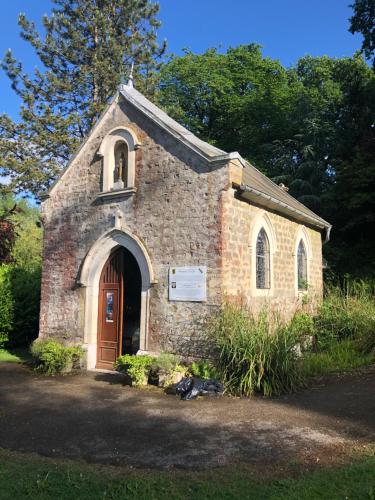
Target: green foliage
302, 325
136, 367
25, 290
309, 127
204, 369
238, 101
24, 273
53, 357
336, 358
85, 50
363, 21
18, 355
346, 314
166, 361
344, 329
165, 369
255, 353
6, 305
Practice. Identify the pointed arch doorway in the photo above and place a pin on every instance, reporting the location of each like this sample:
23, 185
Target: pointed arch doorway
119, 308
90, 277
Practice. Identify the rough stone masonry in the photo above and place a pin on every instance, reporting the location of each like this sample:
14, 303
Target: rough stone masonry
187, 207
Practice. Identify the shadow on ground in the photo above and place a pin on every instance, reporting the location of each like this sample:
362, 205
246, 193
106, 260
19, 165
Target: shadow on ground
94, 417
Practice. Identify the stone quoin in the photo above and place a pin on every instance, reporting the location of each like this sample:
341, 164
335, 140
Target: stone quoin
142, 199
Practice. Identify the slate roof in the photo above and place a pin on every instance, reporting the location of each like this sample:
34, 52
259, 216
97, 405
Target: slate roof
159, 116
260, 188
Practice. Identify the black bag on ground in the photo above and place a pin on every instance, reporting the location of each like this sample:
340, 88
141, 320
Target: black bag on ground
191, 388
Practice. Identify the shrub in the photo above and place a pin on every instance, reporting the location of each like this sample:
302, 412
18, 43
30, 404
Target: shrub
166, 370
19, 305
204, 369
6, 305
25, 284
166, 362
137, 367
255, 354
53, 357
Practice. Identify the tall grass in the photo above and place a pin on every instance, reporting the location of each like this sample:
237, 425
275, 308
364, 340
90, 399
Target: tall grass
340, 357
255, 354
347, 312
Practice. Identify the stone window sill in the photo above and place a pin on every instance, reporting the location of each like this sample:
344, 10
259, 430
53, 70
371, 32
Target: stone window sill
117, 193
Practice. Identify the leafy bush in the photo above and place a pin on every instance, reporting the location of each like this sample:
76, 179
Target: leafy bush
25, 289
19, 305
137, 367
166, 370
6, 305
53, 357
255, 354
204, 369
166, 362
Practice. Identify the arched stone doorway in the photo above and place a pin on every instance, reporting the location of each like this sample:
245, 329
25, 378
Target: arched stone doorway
119, 308
90, 275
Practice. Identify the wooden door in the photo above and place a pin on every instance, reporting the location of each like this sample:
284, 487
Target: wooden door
110, 311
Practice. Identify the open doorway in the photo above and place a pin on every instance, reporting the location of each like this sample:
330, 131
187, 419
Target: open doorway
119, 308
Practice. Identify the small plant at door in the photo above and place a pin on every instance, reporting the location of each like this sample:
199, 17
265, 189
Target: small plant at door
204, 369
167, 369
52, 357
136, 367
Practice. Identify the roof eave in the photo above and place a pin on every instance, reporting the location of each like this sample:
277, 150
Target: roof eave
264, 199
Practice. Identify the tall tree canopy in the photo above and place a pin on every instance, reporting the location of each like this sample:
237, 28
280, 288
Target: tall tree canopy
363, 21
310, 126
86, 48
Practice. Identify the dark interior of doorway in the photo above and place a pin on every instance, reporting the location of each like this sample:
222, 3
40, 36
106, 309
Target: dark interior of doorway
132, 305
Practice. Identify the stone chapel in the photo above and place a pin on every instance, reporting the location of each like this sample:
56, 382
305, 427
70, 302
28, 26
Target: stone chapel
149, 230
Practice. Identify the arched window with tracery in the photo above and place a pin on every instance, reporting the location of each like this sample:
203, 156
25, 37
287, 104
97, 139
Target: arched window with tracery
302, 266
262, 260
120, 174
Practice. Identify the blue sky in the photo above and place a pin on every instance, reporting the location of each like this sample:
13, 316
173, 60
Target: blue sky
287, 30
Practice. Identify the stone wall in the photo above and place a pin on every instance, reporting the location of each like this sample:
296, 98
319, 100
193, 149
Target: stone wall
241, 219
175, 212
185, 213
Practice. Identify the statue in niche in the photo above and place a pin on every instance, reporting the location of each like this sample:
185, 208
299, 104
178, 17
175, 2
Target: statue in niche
120, 174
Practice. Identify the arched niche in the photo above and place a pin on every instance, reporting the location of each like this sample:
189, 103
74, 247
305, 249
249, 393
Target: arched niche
113, 139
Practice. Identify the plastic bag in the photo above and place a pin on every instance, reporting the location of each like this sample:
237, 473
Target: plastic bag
191, 388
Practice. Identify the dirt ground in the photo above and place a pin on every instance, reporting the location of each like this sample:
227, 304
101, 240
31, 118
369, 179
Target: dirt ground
95, 418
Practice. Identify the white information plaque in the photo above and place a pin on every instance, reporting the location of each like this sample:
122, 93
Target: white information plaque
188, 283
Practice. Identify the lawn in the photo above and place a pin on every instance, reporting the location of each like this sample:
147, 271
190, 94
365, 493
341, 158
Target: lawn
22, 476
20, 355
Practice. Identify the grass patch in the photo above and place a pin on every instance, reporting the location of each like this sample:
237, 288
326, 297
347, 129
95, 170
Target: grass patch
31, 477
341, 357
19, 355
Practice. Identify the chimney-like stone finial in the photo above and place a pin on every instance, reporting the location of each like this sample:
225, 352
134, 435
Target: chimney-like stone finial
126, 84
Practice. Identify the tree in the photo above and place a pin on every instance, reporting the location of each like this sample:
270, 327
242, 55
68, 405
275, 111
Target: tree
20, 276
237, 101
363, 21
87, 49
310, 127
242, 101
